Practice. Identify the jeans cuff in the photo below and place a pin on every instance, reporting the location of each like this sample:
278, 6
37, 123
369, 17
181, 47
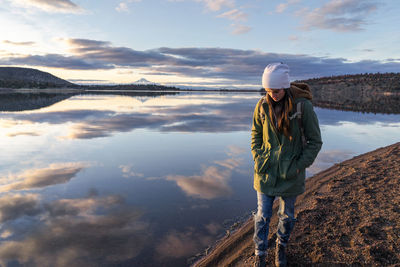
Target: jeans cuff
260, 252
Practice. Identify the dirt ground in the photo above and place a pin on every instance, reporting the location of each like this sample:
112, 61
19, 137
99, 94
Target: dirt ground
348, 216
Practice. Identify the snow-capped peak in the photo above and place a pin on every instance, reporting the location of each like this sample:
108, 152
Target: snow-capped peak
143, 81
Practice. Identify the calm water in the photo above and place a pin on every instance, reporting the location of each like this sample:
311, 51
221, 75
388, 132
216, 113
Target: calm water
141, 181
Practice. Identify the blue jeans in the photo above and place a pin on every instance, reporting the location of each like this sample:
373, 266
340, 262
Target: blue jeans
263, 216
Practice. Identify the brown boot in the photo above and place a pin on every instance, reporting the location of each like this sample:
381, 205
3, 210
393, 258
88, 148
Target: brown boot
260, 261
280, 255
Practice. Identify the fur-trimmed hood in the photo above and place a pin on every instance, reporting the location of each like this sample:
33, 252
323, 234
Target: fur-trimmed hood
300, 90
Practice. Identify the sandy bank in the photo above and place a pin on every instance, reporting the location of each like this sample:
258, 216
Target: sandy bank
349, 215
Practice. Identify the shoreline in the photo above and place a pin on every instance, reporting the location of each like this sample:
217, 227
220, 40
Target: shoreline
348, 215
386, 104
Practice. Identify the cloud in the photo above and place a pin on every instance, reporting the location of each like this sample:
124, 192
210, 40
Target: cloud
339, 15
241, 67
125, 72
100, 51
240, 29
283, 6
17, 205
391, 59
79, 47
234, 14
56, 61
216, 5
52, 6
85, 44
123, 6
18, 43
56, 173
211, 184
90, 81
23, 133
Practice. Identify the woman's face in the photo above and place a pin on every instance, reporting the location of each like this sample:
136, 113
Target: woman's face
275, 94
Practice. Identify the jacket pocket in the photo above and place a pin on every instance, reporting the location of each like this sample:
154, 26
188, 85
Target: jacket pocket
288, 168
261, 162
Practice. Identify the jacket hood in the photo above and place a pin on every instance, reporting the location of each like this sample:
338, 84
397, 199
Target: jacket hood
300, 90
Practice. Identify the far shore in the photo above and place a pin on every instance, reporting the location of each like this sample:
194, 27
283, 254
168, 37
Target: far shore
378, 102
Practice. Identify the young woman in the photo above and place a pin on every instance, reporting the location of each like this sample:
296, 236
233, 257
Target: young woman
285, 140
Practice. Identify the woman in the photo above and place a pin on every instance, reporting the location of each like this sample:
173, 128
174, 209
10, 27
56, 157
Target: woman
285, 140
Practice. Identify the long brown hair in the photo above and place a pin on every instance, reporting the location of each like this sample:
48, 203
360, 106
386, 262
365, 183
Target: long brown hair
282, 122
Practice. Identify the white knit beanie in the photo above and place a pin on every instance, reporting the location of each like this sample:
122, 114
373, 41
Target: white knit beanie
276, 76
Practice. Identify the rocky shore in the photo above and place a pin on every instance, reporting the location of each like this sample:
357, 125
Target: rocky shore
348, 216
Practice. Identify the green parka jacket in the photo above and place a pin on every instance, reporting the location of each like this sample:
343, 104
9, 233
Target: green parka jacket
276, 162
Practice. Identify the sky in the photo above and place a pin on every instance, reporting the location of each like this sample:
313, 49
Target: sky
199, 43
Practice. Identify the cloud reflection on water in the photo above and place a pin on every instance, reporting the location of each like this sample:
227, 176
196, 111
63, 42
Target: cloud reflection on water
229, 163
187, 118
105, 230
214, 181
183, 244
13, 206
81, 207
72, 232
127, 171
56, 173
92, 231
200, 113
183, 113
211, 184
325, 159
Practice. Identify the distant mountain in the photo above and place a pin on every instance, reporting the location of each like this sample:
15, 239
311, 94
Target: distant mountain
14, 77
144, 81
140, 85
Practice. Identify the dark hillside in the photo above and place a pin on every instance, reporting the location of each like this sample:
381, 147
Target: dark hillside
13, 77
378, 93
379, 82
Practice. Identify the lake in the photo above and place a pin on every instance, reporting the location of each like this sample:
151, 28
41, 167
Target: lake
140, 180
